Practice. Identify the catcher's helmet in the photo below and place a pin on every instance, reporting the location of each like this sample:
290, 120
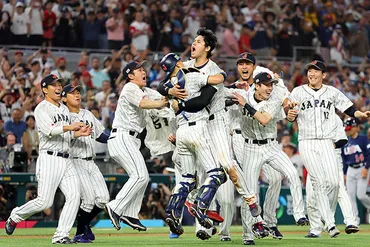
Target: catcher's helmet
168, 62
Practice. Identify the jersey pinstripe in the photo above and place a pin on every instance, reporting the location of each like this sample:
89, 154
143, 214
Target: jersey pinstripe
84, 147
316, 111
48, 116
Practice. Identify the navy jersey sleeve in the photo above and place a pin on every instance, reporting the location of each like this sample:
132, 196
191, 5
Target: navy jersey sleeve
345, 164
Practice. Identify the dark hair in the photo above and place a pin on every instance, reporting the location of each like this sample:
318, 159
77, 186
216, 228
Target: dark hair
30, 116
210, 39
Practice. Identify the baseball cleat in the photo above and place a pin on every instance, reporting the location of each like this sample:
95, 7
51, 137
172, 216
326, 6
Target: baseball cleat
214, 230
334, 232
10, 226
255, 209
259, 231
203, 235
303, 222
225, 239
213, 215
89, 234
352, 229
65, 240
274, 232
134, 223
203, 219
248, 242
81, 239
311, 235
173, 235
175, 226
113, 217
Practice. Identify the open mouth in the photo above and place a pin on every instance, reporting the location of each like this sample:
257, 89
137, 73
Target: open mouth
245, 74
192, 49
58, 93
144, 78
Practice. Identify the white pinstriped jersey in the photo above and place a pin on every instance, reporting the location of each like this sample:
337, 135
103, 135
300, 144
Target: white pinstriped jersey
316, 111
129, 116
234, 111
211, 68
251, 128
48, 116
159, 127
340, 133
84, 146
194, 82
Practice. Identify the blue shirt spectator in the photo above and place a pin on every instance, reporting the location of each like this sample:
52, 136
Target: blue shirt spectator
16, 125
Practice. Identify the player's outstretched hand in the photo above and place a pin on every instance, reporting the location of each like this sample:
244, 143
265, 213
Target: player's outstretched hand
164, 101
177, 92
238, 98
364, 172
84, 131
242, 85
76, 126
360, 114
292, 114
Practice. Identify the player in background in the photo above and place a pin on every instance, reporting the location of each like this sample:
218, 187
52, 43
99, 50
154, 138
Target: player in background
314, 105
53, 168
316, 225
258, 127
124, 145
356, 155
94, 191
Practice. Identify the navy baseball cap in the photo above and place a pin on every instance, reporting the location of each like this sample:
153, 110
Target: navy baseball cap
50, 79
131, 66
351, 122
168, 62
246, 56
264, 78
69, 89
316, 64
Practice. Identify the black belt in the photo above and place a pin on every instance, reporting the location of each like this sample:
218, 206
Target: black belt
63, 155
238, 132
358, 165
88, 158
211, 117
259, 142
192, 123
131, 133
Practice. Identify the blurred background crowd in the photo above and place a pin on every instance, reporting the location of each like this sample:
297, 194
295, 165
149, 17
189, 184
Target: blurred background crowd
88, 42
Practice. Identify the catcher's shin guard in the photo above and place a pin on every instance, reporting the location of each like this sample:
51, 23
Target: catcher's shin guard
179, 194
209, 188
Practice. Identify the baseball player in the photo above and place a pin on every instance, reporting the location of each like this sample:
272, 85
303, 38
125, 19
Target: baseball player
343, 197
201, 51
259, 130
192, 144
54, 168
124, 144
314, 108
94, 191
356, 165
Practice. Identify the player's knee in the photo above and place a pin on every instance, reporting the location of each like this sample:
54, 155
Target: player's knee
217, 175
143, 179
44, 203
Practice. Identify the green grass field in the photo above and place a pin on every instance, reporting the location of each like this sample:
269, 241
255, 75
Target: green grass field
293, 236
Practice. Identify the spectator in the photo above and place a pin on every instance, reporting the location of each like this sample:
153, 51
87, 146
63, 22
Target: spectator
45, 58
16, 125
176, 29
2, 134
65, 32
30, 138
115, 30
8, 104
98, 75
35, 14
35, 74
103, 39
359, 43
157, 21
337, 46
86, 80
82, 66
61, 70
5, 207
285, 39
49, 22
260, 36
4, 71
229, 43
191, 21
91, 31
21, 25
5, 27
140, 32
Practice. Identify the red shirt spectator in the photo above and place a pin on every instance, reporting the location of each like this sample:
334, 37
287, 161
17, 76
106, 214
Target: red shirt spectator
49, 22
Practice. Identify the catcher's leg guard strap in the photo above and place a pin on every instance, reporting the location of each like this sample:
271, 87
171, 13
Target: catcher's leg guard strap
179, 194
209, 188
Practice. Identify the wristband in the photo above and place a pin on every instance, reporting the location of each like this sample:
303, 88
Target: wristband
181, 105
250, 109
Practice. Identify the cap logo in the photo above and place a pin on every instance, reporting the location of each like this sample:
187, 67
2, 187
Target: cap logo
127, 71
314, 62
44, 84
258, 80
55, 77
164, 67
245, 55
269, 76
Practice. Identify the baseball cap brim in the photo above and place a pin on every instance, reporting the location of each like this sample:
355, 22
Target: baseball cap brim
145, 64
244, 59
78, 87
272, 81
310, 65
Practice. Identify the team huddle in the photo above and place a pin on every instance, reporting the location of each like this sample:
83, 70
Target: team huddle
221, 138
